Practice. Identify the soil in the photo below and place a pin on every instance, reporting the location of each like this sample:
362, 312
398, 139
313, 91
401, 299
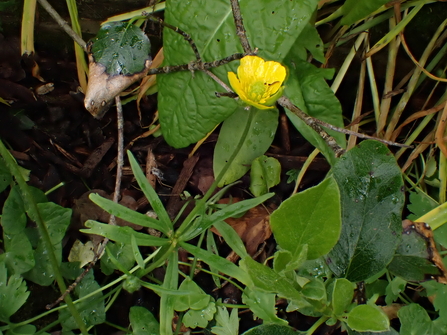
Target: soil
54, 137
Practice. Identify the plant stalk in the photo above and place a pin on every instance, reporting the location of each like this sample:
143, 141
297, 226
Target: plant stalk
26, 194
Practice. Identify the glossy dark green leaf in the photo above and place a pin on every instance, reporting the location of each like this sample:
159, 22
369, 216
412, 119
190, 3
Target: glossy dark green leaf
368, 318
372, 198
122, 234
143, 322
310, 217
307, 88
261, 131
188, 106
354, 10
265, 173
412, 258
121, 47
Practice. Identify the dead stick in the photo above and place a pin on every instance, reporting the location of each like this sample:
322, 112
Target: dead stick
64, 25
312, 122
240, 29
116, 196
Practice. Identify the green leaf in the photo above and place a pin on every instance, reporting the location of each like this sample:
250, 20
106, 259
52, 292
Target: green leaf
19, 256
357, 10
265, 173
420, 204
143, 322
13, 293
13, 215
231, 238
412, 259
368, 318
151, 195
22, 330
122, 253
197, 300
127, 214
285, 261
309, 39
204, 221
262, 304
414, 320
269, 281
57, 219
221, 264
122, 234
439, 292
342, 294
372, 199
226, 323
5, 176
269, 329
188, 106
121, 47
199, 318
315, 290
310, 217
391, 331
92, 309
307, 88
394, 288
262, 129
167, 301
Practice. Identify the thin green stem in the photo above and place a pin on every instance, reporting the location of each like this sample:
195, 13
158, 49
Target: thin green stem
317, 324
35, 214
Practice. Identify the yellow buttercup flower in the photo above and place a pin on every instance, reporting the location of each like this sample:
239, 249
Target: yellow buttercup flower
258, 83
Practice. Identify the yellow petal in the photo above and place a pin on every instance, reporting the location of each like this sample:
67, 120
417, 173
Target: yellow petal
248, 67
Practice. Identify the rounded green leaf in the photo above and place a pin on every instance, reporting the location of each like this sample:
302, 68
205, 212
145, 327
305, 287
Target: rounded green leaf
368, 318
311, 217
342, 294
372, 199
121, 47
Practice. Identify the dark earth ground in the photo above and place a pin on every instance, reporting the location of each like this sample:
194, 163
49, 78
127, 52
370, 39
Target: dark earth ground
54, 137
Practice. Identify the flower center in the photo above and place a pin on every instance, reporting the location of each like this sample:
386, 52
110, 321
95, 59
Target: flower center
256, 90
